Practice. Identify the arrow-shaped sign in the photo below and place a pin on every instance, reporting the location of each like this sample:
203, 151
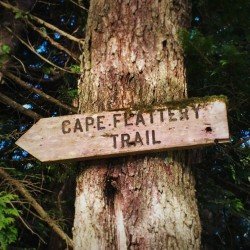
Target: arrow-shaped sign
117, 133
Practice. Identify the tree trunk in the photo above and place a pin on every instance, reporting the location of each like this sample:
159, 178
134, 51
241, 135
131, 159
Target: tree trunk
132, 56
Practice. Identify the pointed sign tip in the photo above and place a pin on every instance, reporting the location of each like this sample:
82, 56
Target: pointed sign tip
116, 133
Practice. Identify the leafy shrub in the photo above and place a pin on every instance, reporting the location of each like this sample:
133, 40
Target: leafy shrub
8, 214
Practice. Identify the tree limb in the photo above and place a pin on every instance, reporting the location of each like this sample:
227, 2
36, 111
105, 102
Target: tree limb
42, 22
236, 189
27, 226
39, 92
6, 100
31, 48
39, 78
79, 5
53, 42
42, 213
231, 186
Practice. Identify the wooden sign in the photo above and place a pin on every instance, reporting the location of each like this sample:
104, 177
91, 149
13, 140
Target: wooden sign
116, 133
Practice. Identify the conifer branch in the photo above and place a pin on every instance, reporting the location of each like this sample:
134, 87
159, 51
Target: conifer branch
52, 41
79, 5
8, 101
38, 208
40, 21
32, 49
39, 92
28, 226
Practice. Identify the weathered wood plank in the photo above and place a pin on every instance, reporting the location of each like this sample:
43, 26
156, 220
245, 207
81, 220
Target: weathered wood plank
116, 133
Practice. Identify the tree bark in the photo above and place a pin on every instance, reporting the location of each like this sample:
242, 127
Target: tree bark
132, 56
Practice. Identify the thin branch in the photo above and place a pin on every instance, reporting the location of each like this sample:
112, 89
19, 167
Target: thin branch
54, 28
29, 210
41, 79
200, 53
7, 101
31, 48
39, 92
53, 42
23, 66
79, 5
231, 186
236, 189
44, 2
25, 193
59, 197
42, 22
27, 226
52, 78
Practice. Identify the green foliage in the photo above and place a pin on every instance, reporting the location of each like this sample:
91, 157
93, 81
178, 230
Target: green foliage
8, 231
3, 59
75, 68
47, 70
68, 94
53, 186
20, 14
217, 59
237, 205
4, 54
218, 62
72, 93
5, 49
226, 200
44, 30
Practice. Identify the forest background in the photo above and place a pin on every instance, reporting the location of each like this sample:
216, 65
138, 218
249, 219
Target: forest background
41, 42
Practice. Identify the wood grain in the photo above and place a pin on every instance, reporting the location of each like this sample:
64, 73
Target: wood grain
117, 133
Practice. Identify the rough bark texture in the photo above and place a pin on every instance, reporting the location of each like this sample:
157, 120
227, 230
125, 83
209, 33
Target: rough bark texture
132, 57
